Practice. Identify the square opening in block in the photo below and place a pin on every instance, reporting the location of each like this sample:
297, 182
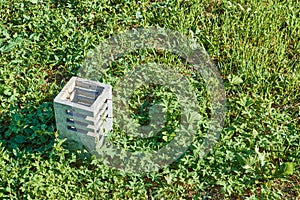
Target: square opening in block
84, 93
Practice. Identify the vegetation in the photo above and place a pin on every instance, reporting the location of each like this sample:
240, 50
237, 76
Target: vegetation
256, 46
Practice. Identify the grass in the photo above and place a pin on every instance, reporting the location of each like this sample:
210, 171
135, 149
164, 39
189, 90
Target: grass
256, 46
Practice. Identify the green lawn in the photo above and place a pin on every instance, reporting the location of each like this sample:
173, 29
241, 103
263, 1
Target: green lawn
255, 44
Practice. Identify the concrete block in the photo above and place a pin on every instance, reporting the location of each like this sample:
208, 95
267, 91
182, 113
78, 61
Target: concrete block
83, 112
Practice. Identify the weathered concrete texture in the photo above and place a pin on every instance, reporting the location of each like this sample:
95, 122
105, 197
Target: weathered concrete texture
83, 113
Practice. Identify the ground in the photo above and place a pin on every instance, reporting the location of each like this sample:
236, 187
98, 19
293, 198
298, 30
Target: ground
255, 45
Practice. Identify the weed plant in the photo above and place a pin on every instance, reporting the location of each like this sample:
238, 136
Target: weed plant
256, 46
